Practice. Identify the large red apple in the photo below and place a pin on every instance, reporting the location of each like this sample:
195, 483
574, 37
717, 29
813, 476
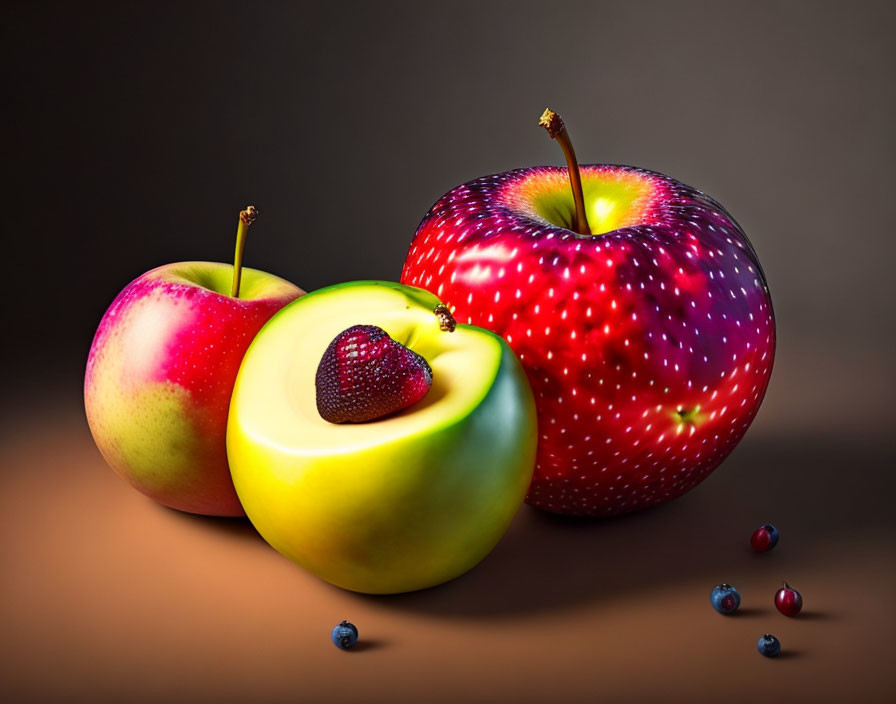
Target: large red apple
642, 318
161, 371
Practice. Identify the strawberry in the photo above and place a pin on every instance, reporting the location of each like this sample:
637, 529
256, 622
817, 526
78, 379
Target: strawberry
364, 374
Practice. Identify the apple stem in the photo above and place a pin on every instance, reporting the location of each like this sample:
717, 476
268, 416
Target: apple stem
247, 217
446, 320
553, 123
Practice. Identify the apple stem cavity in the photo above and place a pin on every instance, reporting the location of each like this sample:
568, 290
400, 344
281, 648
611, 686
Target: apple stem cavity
247, 217
555, 127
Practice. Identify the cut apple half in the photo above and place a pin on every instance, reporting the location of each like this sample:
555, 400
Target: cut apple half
399, 503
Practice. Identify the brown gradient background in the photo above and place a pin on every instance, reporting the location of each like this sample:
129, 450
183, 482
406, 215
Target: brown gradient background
132, 135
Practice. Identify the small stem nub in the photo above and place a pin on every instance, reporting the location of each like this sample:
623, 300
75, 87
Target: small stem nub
553, 123
247, 217
447, 323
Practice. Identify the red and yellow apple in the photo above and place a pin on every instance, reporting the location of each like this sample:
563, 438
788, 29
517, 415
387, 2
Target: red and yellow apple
160, 374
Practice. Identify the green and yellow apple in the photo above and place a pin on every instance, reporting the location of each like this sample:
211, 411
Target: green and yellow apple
404, 502
160, 374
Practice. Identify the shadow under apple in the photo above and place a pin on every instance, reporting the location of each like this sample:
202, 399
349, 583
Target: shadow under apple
812, 488
236, 526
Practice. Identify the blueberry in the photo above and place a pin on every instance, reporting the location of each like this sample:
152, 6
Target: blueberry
725, 599
345, 635
769, 646
764, 538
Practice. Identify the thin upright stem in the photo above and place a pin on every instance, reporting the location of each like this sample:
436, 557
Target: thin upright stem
247, 217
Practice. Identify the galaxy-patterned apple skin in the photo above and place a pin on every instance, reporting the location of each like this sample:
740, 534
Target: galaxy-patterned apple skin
649, 345
160, 373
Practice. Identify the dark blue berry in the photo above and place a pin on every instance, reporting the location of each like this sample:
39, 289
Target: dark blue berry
345, 635
769, 646
725, 599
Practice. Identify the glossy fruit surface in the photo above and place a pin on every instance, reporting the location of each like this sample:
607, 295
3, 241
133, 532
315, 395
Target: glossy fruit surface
725, 599
344, 636
788, 600
400, 503
365, 374
764, 538
768, 645
649, 344
160, 373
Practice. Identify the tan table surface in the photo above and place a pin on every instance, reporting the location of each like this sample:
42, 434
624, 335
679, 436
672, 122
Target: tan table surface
108, 597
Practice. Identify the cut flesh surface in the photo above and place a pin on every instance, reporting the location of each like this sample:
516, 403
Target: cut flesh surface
277, 383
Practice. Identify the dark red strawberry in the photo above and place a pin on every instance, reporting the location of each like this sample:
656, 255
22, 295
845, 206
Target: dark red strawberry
365, 375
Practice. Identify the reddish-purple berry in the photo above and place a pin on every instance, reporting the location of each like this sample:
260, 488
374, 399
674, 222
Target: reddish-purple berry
764, 538
788, 600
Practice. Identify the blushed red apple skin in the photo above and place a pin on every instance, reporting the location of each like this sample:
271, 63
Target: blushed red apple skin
649, 347
157, 388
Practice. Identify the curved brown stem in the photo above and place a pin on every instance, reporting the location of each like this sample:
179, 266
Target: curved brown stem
553, 123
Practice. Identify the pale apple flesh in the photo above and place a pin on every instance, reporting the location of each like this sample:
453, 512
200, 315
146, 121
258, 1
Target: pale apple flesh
397, 504
160, 374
